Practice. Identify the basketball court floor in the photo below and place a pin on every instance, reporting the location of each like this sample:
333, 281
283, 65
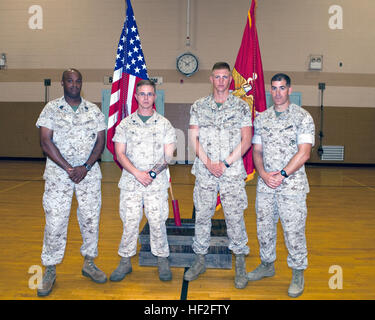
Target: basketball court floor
340, 237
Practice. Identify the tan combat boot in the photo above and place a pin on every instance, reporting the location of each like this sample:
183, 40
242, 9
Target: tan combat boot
165, 273
91, 271
196, 269
297, 284
265, 269
240, 280
122, 270
48, 281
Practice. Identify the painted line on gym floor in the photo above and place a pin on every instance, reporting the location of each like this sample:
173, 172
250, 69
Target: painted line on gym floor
14, 187
359, 183
185, 287
185, 284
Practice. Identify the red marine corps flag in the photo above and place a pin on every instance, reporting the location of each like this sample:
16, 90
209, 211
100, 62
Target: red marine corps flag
248, 81
130, 68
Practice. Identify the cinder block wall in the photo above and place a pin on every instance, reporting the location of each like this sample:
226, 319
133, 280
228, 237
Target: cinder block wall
85, 36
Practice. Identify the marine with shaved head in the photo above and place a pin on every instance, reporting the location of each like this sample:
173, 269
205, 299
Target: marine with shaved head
72, 135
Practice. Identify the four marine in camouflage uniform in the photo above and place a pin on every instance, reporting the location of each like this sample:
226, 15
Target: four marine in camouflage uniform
219, 126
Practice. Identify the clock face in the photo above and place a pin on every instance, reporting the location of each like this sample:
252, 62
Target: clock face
187, 64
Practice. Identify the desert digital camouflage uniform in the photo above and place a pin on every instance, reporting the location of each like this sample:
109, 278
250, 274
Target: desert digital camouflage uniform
280, 137
144, 148
74, 134
219, 134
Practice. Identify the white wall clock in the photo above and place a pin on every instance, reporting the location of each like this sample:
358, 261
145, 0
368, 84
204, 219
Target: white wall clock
187, 64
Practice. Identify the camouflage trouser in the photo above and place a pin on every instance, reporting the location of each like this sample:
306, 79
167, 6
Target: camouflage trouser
57, 200
292, 212
131, 211
233, 200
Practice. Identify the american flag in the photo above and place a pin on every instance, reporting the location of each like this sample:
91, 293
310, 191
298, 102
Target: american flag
129, 69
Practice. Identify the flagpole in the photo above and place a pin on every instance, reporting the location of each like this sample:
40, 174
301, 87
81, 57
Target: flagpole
124, 106
175, 207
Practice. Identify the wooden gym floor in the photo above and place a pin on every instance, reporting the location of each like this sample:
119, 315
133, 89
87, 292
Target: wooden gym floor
340, 236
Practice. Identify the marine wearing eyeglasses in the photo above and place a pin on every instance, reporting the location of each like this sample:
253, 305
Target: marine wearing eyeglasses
144, 144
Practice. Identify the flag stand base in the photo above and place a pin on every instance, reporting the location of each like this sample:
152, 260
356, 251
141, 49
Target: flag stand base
180, 240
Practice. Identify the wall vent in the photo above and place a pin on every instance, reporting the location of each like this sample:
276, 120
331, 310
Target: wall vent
333, 153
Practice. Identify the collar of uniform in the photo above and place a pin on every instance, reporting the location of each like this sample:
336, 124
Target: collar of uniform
224, 104
136, 118
63, 105
284, 113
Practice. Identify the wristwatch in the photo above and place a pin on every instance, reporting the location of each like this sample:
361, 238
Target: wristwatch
152, 174
226, 164
87, 166
283, 173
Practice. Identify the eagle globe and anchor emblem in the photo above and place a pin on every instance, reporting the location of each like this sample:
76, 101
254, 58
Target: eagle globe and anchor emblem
243, 87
